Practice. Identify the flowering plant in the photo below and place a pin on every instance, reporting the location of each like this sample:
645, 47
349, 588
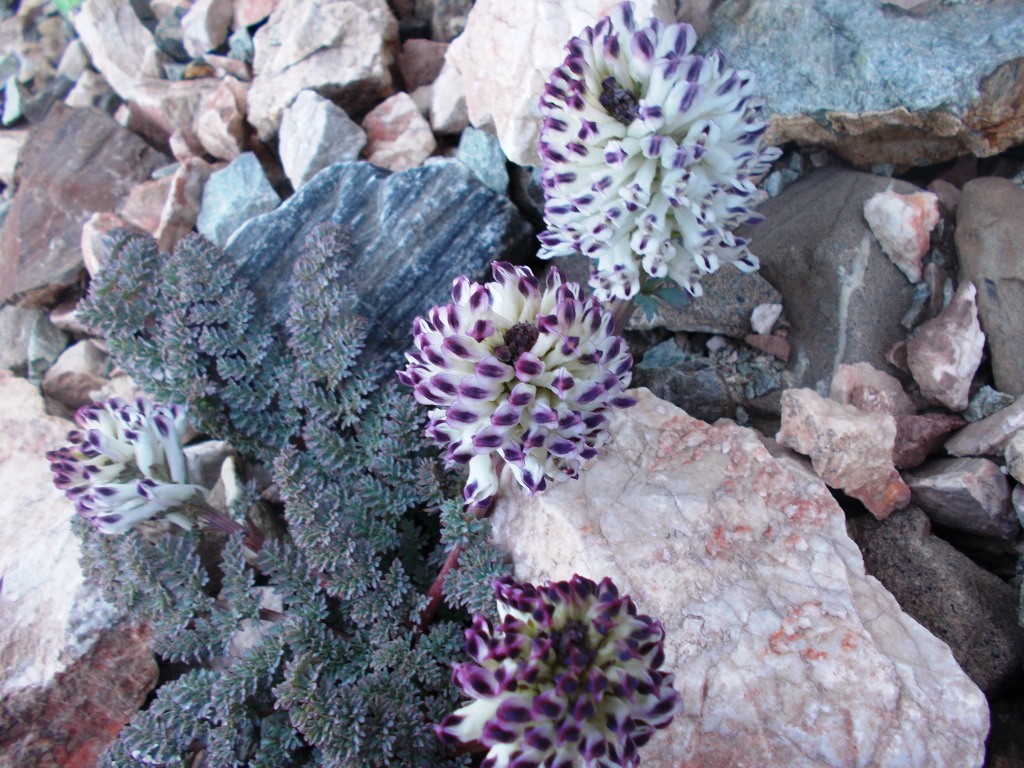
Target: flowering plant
125, 464
518, 372
570, 675
648, 154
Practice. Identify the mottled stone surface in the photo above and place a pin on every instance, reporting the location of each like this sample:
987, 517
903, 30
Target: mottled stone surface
903, 226
920, 435
341, 48
988, 436
945, 352
850, 449
423, 227
876, 84
843, 297
963, 604
869, 389
78, 161
232, 196
990, 245
970, 495
398, 137
786, 655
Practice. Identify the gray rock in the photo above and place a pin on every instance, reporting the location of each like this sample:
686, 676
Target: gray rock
984, 402
843, 297
413, 233
447, 17
989, 436
969, 495
990, 244
316, 133
877, 84
971, 609
481, 153
232, 196
691, 383
29, 342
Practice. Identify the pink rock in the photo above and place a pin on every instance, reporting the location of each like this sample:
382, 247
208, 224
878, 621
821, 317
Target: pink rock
145, 204
785, 653
94, 233
945, 352
919, 436
903, 224
420, 62
850, 449
225, 66
220, 124
206, 26
989, 436
182, 206
869, 389
249, 12
969, 495
777, 346
397, 135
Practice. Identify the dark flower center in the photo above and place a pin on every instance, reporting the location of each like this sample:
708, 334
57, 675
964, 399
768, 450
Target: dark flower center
620, 103
571, 644
518, 339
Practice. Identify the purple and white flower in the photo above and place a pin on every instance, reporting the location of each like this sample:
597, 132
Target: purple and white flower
648, 153
519, 372
570, 676
125, 464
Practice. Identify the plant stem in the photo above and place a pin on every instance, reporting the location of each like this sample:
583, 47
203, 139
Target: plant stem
217, 520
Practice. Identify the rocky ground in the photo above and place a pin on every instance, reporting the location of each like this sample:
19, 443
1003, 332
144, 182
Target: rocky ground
870, 375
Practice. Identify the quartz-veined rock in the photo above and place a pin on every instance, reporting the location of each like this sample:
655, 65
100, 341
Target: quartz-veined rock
970, 495
875, 84
988, 436
785, 653
945, 352
990, 247
869, 389
849, 448
398, 137
233, 195
341, 48
903, 226
316, 133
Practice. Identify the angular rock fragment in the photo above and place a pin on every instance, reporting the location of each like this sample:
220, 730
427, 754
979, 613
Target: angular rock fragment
920, 435
232, 196
903, 225
397, 135
785, 654
945, 352
850, 449
316, 133
869, 389
76, 374
988, 436
969, 495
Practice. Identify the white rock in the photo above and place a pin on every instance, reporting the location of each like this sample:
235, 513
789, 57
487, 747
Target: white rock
902, 225
945, 352
849, 448
315, 133
48, 616
397, 135
764, 316
448, 112
507, 52
205, 26
116, 41
343, 46
785, 653
11, 143
220, 121
89, 89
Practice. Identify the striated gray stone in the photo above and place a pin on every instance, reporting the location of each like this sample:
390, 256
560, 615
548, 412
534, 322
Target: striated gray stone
316, 133
481, 153
232, 196
785, 654
875, 84
843, 297
990, 246
989, 436
29, 342
971, 609
969, 495
413, 233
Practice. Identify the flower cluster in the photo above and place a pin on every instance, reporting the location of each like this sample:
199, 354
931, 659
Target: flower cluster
519, 372
569, 676
648, 152
125, 464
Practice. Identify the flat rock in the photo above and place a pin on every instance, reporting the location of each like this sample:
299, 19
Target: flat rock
945, 352
969, 608
78, 161
233, 195
990, 245
969, 495
343, 49
876, 84
988, 436
29, 342
422, 227
786, 655
315, 133
398, 137
843, 297
850, 449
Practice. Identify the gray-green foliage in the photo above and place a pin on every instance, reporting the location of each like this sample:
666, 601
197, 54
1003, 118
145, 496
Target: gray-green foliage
339, 676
